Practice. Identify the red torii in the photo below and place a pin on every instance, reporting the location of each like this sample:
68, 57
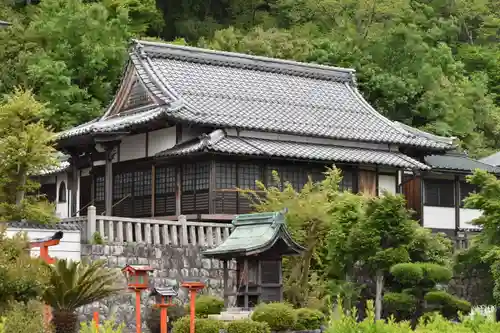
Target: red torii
45, 243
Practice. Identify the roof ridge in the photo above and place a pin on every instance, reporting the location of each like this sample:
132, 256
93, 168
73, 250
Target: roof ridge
243, 60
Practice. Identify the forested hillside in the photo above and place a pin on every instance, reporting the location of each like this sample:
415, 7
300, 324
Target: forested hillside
433, 64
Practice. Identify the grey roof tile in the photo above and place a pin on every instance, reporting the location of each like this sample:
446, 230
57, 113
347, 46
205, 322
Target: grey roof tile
115, 123
458, 162
493, 159
52, 226
224, 89
217, 142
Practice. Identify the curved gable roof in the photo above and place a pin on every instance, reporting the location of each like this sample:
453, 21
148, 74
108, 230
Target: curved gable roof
233, 90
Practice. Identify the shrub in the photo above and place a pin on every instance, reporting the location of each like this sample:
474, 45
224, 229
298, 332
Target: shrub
449, 305
109, 326
208, 305
21, 317
153, 317
279, 316
308, 319
247, 326
202, 325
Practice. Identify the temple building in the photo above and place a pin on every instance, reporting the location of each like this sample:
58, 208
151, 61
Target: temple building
189, 126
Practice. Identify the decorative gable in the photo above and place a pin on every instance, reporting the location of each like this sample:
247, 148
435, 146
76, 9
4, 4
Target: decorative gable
137, 96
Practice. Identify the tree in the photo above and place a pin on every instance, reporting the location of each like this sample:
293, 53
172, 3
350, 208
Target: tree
387, 231
418, 289
22, 278
26, 147
308, 219
74, 284
70, 54
487, 200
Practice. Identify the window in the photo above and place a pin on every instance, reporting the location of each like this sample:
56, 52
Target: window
465, 190
62, 192
165, 184
99, 188
195, 184
347, 182
296, 176
439, 193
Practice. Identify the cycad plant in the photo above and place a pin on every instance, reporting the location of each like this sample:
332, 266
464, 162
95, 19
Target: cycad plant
73, 284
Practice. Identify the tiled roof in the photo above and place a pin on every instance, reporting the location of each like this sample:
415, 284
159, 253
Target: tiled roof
493, 159
230, 90
115, 123
51, 226
253, 234
218, 142
63, 164
458, 162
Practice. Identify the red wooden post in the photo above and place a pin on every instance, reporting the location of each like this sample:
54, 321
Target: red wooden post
96, 320
44, 245
163, 315
138, 280
160, 294
193, 287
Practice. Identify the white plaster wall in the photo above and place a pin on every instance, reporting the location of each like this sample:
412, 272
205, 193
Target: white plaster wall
439, 217
68, 248
62, 208
466, 216
161, 139
387, 183
133, 147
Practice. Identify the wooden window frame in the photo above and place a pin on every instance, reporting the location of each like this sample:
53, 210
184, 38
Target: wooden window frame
444, 192
165, 189
465, 190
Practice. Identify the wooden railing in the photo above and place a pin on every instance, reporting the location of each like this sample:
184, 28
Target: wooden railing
114, 229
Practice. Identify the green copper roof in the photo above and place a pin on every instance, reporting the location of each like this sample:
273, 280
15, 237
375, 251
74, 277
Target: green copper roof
254, 234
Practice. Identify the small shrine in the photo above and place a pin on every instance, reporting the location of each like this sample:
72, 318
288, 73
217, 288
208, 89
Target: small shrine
137, 276
258, 243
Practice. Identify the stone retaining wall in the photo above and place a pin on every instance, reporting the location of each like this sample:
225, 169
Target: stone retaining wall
171, 265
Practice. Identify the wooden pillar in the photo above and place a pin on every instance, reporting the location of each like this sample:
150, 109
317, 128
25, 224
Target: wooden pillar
457, 205
280, 271
74, 184
226, 283
178, 190
245, 269
108, 181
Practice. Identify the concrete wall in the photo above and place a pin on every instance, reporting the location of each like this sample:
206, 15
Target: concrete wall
171, 265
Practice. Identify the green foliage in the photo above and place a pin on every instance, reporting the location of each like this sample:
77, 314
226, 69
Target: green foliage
449, 305
400, 305
109, 326
23, 317
207, 305
97, 238
308, 319
74, 284
153, 317
22, 278
487, 200
76, 77
434, 323
202, 325
279, 316
25, 148
247, 326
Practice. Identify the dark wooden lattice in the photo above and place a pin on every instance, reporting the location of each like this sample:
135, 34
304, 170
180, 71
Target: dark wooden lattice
122, 194
165, 182
195, 188
49, 190
226, 197
99, 194
142, 193
248, 174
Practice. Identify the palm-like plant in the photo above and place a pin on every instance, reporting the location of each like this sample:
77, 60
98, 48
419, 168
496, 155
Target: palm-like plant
73, 284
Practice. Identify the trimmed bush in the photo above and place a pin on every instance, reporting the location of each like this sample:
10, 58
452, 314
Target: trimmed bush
208, 305
247, 326
279, 316
308, 319
153, 317
202, 325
